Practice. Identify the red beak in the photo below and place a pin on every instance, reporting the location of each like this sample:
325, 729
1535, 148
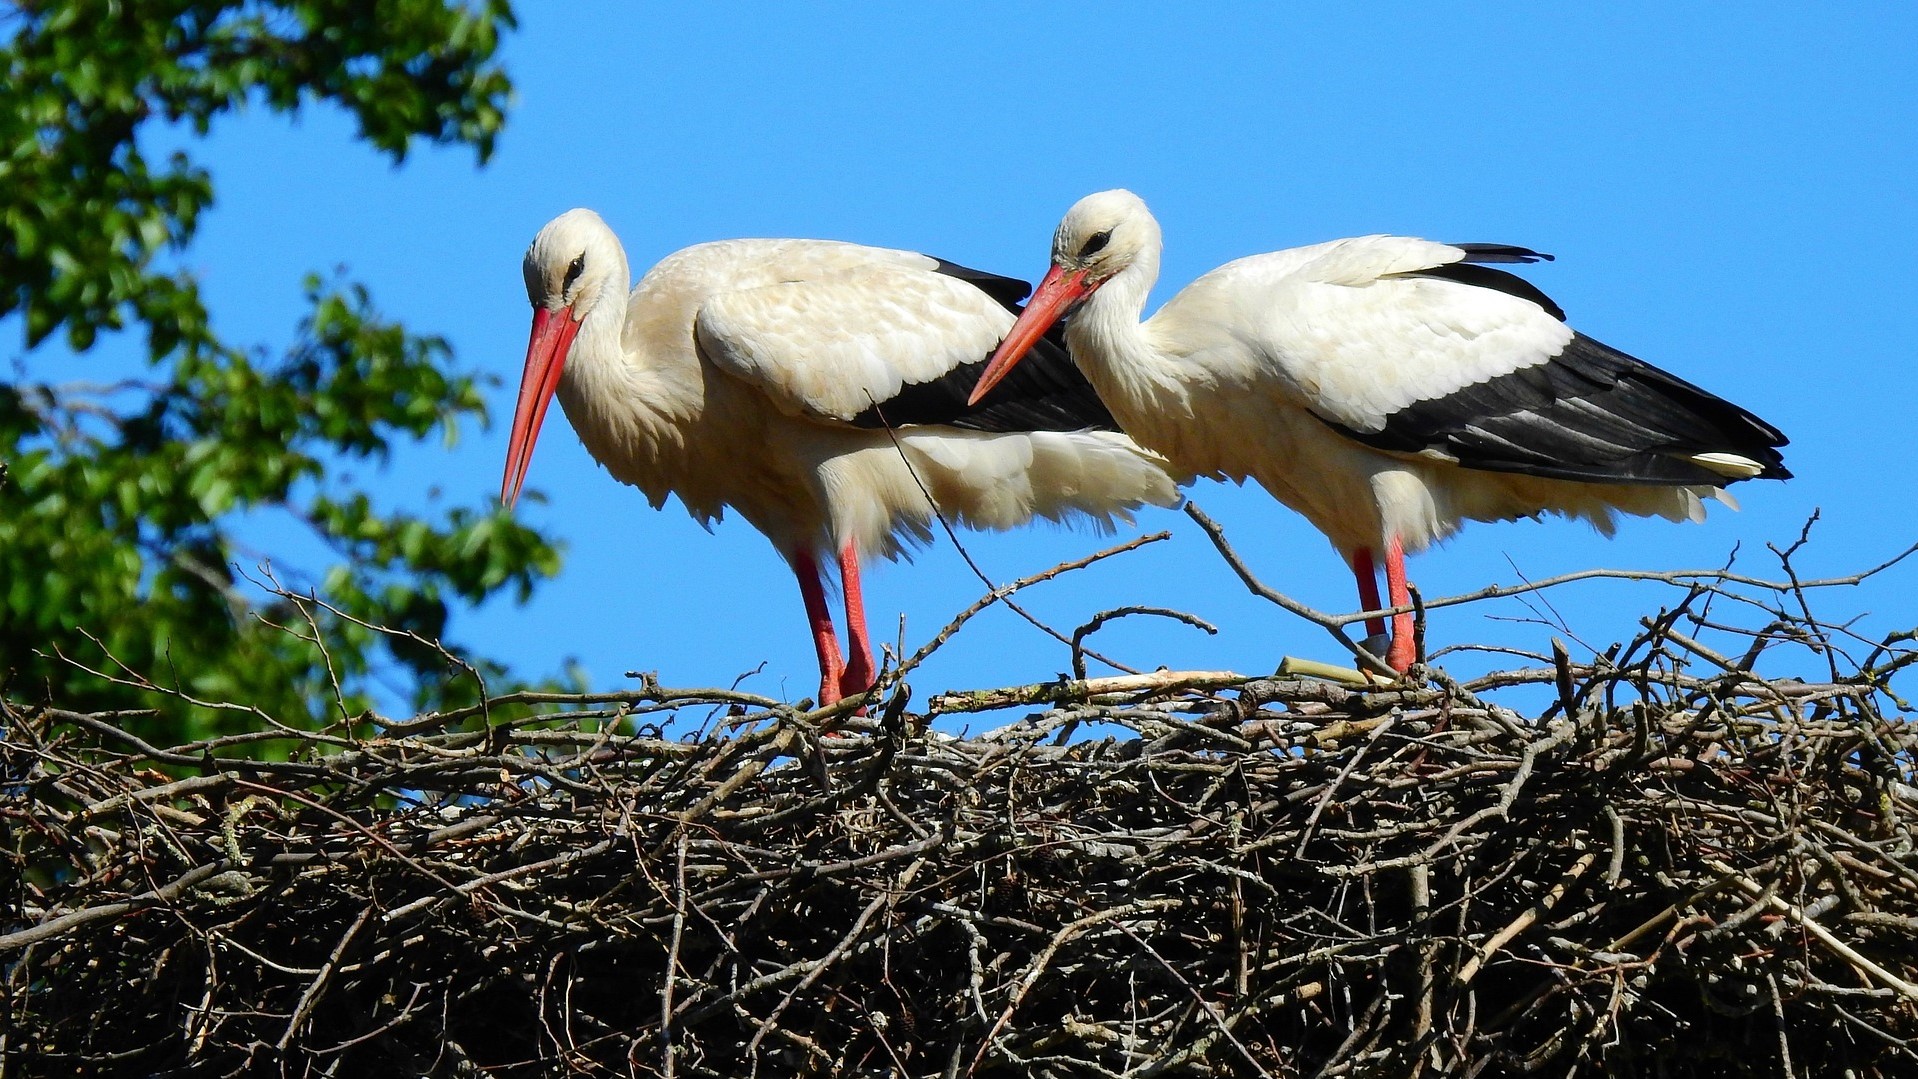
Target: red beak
1058, 294
552, 338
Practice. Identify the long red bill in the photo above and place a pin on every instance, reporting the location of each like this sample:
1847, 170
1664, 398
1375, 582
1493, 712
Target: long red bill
546, 350
1059, 293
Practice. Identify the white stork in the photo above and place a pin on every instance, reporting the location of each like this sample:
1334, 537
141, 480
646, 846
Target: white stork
1387, 388
762, 375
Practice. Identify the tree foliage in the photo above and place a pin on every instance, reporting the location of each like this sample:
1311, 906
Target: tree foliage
123, 506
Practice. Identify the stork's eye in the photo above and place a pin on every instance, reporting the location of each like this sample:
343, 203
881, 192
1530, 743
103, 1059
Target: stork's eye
1096, 244
572, 273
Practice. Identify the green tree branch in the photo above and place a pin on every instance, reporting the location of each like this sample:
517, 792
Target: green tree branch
120, 505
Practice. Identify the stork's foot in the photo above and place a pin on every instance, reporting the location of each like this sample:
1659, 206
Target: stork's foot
1402, 653
841, 682
857, 678
831, 693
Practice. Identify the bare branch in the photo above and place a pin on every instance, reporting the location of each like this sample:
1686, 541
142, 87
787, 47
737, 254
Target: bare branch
1546, 869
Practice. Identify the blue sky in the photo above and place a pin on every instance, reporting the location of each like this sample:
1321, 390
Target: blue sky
1729, 192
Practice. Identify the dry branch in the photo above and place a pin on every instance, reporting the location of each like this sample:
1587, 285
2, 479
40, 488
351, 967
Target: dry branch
1667, 863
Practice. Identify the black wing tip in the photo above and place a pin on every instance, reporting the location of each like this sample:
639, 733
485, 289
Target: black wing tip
1592, 414
1497, 280
1753, 436
1502, 253
1721, 426
1009, 292
1771, 462
1045, 392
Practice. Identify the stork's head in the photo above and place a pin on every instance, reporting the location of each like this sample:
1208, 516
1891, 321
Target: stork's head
572, 264
1098, 239
1101, 235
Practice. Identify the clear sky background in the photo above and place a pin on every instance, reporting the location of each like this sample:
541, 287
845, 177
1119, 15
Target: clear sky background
1729, 190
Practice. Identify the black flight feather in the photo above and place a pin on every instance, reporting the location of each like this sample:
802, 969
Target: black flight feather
1465, 273
1485, 277
1501, 253
1590, 413
1009, 292
1046, 392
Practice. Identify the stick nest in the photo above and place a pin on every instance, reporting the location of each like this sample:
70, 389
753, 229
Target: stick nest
1664, 864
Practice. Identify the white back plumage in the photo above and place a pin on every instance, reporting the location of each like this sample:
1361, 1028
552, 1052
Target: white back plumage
729, 376
1246, 372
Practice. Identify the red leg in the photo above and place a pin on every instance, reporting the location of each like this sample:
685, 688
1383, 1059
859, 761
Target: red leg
1367, 575
860, 668
813, 590
1401, 655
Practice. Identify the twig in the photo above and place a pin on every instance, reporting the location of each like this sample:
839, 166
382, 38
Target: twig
999, 594
1158, 682
1824, 936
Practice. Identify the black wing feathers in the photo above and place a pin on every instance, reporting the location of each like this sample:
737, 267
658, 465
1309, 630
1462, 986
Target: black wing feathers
1590, 413
1485, 277
1010, 292
1046, 392
1501, 253
1465, 273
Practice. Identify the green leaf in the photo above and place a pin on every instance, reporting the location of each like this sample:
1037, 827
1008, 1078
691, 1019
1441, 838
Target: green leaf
121, 514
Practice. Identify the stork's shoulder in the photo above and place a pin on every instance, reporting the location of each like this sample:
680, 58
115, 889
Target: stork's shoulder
1355, 260
831, 345
749, 263
1357, 329
687, 282
1245, 291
